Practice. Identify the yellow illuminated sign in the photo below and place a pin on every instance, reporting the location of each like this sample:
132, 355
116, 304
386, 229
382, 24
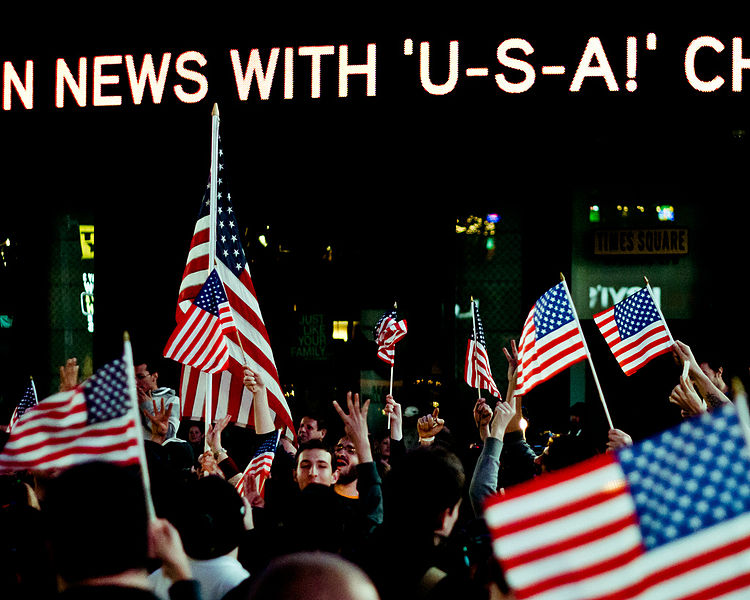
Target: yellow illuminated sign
86, 233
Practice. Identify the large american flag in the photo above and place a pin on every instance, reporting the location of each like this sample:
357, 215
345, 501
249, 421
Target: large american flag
259, 466
551, 340
28, 400
667, 518
634, 330
200, 340
229, 395
477, 372
387, 331
93, 421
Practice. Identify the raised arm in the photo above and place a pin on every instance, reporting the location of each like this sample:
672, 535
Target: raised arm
484, 480
705, 387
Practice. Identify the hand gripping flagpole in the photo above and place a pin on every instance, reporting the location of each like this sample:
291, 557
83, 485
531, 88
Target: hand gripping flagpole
588, 354
136, 416
213, 185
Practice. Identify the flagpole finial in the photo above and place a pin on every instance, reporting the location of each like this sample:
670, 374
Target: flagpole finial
562, 277
125, 336
215, 110
395, 304
645, 279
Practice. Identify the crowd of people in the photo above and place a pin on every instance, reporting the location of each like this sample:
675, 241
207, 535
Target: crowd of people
355, 516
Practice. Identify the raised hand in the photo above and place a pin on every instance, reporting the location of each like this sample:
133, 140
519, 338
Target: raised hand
355, 425
429, 426
393, 410
69, 375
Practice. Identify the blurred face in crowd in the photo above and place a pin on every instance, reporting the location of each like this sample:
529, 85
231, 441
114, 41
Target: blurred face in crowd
195, 434
308, 430
716, 377
144, 379
384, 448
314, 466
347, 460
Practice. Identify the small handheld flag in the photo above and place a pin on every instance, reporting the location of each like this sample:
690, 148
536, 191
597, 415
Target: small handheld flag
477, 372
635, 331
199, 340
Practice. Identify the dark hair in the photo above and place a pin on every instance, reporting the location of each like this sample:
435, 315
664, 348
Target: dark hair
421, 485
319, 420
211, 518
314, 445
97, 520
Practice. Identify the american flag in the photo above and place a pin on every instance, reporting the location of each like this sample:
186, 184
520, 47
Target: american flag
259, 466
28, 400
477, 372
634, 330
228, 393
667, 518
551, 340
200, 340
387, 331
93, 421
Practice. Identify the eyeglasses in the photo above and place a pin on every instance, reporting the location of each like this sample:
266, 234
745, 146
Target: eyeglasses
349, 448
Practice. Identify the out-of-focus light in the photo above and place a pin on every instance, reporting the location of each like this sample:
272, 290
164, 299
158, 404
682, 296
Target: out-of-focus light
594, 214
493, 218
665, 212
490, 244
7, 241
263, 241
341, 330
523, 424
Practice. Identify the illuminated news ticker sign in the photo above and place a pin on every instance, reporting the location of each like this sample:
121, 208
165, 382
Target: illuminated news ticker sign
107, 80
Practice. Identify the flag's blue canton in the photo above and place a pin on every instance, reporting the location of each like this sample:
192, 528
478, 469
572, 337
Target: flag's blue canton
387, 316
267, 443
211, 295
27, 401
228, 244
690, 477
552, 311
106, 393
635, 313
480, 328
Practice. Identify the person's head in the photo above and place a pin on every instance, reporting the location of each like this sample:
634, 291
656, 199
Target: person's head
195, 434
423, 492
347, 460
210, 518
313, 576
715, 372
311, 428
381, 446
97, 521
146, 375
314, 464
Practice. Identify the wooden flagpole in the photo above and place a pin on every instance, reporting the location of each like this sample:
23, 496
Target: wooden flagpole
213, 185
588, 354
136, 416
658, 308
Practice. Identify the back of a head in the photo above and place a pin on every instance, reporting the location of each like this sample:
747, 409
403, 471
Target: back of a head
425, 482
97, 521
313, 576
210, 518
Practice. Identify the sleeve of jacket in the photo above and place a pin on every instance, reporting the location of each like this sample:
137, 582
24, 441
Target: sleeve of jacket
370, 490
485, 477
